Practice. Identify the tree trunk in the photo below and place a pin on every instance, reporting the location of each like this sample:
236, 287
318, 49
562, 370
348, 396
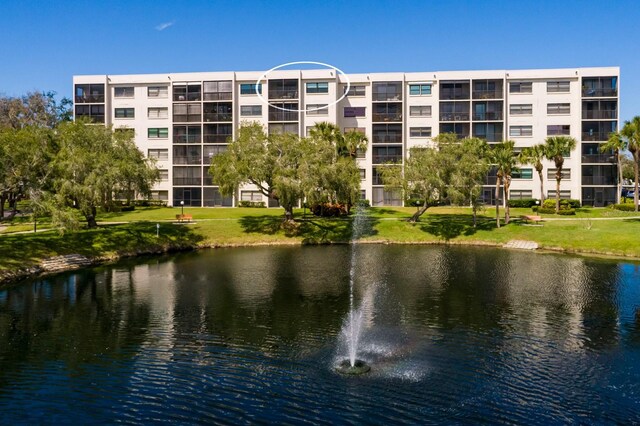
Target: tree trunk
541, 186
416, 216
558, 178
475, 215
3, 198
505, 189
635, 184
288, 214
619, 177
91, 219
498, 182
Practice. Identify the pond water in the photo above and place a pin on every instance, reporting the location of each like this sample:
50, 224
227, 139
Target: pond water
452, 334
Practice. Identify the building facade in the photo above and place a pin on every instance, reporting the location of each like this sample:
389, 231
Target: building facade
183, 120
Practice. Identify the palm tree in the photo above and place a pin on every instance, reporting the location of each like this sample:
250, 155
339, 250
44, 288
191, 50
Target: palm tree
351, 142
504, 160
534, 155
616, 143
556, 147
631, 131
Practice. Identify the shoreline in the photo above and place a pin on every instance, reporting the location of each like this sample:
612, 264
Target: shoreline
11, 277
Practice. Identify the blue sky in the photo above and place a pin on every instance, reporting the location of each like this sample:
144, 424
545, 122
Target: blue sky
44, 43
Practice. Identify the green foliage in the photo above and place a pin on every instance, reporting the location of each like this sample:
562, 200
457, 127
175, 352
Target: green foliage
329, 210
556, 147
626, 207
252, 204
525, 202
364, 203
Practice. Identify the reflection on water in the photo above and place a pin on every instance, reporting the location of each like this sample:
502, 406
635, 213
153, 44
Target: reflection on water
241, 335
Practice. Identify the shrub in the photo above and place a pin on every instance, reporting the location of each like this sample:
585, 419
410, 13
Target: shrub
329, 209
567, 212
525, 202
413, 202
363, 203
545, 210
127, 208
624, 207
256, 204
564, 204
147, 203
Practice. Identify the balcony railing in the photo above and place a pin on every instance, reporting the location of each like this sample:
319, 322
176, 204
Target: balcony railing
94, 118
595, 136
487, 116
447, 94
598, 158
387, 116
390, 138
216, 138
209, 117
381, 159
187, 138
193, 159
186, 118
487, 94
187, 181
283, 116
90, 99
598, 180
454, 116
283, 94
387, 97
595, 93
218, 96
599, 114
490, 137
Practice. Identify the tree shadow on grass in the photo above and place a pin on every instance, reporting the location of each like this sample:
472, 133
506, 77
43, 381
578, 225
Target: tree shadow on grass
450, 226
312, 230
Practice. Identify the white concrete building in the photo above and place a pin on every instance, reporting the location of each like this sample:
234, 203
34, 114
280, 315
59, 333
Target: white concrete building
184, 119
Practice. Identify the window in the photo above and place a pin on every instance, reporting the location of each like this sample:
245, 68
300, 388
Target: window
250, 110
158, 112
125, 113
217, 90
187, 92
355, 111
420, 111
250, 89
551, 175
89, 93
158, 92
158, 133
520, 194
255, 196
123, 92
187, 134
187, 112
520, 131
521, 87
158, 154
387, 91
317, 109
276, 128
160, 195
420, 132
521, 109
322, 87
210, 151
522, 174
187, 176
164, 175
94, 112
558, 86
420, 89
564, 195
363, 174
356, 91
562, 129
558, 109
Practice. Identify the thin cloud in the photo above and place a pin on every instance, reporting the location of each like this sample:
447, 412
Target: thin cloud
164, 26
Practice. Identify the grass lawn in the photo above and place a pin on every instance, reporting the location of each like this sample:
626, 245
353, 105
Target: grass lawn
247, 226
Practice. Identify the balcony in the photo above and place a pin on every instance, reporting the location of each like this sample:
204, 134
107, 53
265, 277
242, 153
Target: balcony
598, 180
487, 94
90, 99
283, 115
599, 93
387, 97
599, 114
387, 158
216, 138
210, 117
598, 158
454, 116
387, 138
283, 94
186, 118
187, 181
383, 117
485, 116
191, 159
595, 136
218, 96
186, 138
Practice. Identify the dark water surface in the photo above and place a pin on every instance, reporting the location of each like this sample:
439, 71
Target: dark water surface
453, 335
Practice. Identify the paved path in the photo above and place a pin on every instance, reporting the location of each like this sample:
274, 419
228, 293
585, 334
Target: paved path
521, 244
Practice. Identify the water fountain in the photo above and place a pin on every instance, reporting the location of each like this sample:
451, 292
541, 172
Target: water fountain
352, 327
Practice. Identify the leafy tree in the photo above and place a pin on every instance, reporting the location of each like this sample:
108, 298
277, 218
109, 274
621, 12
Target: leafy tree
556, 147
534, 155
627, 167
505, 161
38, 109
617, 144
631, 131
92, 164
270, 162
470, 173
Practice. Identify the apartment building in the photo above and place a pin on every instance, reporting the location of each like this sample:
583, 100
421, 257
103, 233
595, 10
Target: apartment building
183, 120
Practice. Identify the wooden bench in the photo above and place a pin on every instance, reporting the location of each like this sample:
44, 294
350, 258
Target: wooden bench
529, 218
184, 217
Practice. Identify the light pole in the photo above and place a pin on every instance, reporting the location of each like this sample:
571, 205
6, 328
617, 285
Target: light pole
182, 205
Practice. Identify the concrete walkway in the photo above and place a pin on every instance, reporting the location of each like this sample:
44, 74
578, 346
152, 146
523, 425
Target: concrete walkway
522, 245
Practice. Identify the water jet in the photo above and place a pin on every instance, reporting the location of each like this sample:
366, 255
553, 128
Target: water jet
358, 367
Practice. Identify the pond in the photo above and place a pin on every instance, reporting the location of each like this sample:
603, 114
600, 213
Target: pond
452, 334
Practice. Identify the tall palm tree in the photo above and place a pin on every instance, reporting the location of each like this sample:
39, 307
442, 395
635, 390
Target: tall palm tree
616, 143
534, 155
556, 147
504, 160
631, 131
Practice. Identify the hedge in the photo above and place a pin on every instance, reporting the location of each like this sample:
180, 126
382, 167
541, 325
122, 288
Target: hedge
257, 204
525, 202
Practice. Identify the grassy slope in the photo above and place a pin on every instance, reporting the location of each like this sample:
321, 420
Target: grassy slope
235, 226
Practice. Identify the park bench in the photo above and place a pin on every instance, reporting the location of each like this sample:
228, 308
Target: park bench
184, 217
529, 218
